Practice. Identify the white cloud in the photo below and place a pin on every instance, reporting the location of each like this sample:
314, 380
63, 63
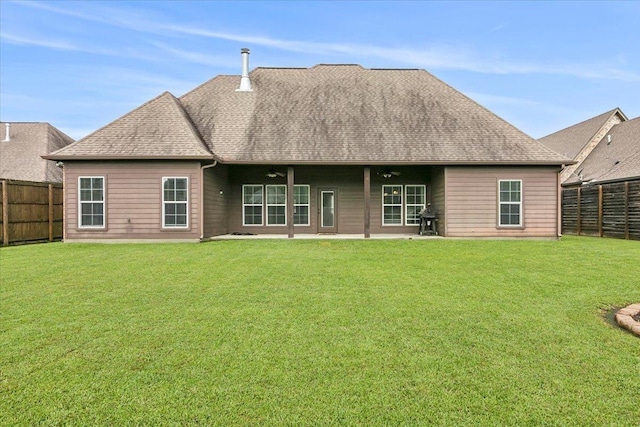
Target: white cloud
449, 57
430, 57
195, 57
33, 41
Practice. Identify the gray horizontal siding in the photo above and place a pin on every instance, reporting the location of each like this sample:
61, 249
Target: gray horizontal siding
472, 201
133, 199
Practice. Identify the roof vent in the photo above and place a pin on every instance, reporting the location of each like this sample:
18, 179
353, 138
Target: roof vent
7, 136
608, 139
245, 83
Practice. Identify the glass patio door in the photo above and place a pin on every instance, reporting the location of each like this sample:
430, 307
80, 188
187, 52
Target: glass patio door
328, 212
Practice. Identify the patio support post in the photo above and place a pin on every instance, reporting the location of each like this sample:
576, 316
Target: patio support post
290, 207
367, 202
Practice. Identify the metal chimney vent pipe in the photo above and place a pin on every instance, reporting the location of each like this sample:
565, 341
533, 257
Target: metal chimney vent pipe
7, 137
245, 83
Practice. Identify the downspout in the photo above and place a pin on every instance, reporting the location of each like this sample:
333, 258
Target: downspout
64, 201
559, 204
215, 162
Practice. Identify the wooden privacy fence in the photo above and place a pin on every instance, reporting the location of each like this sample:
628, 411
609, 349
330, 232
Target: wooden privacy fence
30, 212
605, 210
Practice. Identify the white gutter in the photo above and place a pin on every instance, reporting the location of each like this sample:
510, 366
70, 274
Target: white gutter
201, 213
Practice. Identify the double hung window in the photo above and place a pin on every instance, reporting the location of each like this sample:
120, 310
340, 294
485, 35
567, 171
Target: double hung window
392, 204
510, 205
276, 205
402, 205
252, 203
301, 205
91, 201
175, 195
415, 200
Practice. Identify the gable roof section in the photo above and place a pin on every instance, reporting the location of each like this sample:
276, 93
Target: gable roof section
158, 129
349, 114
618, 160
570, 141
21, 157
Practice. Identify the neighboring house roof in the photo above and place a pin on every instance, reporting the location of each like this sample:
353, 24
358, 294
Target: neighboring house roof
20, 156
325, 114
158, 129
615, 160
570, 141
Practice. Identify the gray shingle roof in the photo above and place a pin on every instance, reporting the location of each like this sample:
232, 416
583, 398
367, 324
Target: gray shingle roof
570, 141
349, 114
613, 161
20, 157
158, 129
324, 114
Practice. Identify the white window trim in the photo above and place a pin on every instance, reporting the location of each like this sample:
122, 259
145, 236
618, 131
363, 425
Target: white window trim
244, 205
267, 204
520, 204
424, 205
308, 205
401, 205
104, 204
164, 203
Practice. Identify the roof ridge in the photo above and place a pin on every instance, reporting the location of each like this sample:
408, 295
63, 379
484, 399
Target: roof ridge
532, 139
280, 68
337, 65
608, 114
55, 129
189, 124
24, 123
206, 82
68, 147
163, 107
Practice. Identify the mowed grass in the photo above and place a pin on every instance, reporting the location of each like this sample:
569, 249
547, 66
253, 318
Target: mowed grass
330, 332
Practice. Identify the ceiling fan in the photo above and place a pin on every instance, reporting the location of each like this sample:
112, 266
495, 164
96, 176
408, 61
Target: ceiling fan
389, 173
274, 174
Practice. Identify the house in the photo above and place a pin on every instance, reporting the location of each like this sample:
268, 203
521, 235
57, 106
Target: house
327, 149
605, 148
601, 191
22, 148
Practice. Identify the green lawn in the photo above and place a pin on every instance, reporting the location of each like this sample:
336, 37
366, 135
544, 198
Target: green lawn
329, 332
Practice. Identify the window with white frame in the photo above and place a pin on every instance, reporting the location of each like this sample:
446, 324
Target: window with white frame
510, 205
175, 195
276, 205
91, 201
415, 201
301, 204
392, 205
252, 203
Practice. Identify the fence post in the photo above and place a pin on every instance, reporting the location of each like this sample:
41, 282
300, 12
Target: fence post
626, 210
600, 202
5, 214
578, 213
51, 212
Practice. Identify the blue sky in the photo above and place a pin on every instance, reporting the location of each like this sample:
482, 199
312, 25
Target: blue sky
542, 66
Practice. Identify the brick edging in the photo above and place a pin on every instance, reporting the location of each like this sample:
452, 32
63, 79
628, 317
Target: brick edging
624, 317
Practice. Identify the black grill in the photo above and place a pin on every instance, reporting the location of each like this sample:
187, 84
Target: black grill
428, 222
